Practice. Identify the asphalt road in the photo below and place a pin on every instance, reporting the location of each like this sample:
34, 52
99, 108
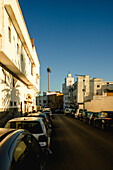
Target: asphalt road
78, 146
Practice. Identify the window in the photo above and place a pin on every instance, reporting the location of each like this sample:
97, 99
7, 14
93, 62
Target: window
31, 69
44, 101
37, 78
9, 34
11, 103
20, 149
13, 82
98, 85
5, 78
17, 49
15, 103
27, 154
32, 126
21, 57
4, 75
103, 114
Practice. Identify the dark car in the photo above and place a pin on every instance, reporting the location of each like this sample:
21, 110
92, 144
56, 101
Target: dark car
89, 117
48, 117
104, 120
73, 111
19, 150
81, 113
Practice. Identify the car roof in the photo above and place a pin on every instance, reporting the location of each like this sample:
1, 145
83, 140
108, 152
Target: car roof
25, 119
34, 114
107, 111
4, 131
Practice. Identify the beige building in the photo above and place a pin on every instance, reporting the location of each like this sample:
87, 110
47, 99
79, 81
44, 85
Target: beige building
55, 101
93, 94
100, 97
19, 64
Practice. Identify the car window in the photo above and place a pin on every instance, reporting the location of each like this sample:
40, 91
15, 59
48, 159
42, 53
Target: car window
111, 115
104, 114
20, 149
27, 154
88, 114
95, 114
32, 126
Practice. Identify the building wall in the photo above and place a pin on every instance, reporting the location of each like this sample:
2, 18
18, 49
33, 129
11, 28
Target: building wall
19, 64
104, 104
55, 101
87, 92
66, 90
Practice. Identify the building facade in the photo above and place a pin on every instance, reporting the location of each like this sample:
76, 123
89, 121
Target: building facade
66, 90
55, 101
19, 64
92, 94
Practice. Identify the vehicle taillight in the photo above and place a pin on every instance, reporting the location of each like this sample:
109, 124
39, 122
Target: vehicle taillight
42, 138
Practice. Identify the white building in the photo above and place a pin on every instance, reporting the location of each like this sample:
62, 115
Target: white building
19, 64
92, 94
100, 97
66, 90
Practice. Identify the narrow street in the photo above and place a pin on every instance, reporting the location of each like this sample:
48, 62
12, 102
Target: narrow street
76, 145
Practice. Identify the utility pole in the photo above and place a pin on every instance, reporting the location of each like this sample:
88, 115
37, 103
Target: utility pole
49, 71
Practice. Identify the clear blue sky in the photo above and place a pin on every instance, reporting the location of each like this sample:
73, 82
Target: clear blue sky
73, 36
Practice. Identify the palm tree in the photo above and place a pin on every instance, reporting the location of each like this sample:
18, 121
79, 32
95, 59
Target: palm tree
49, 71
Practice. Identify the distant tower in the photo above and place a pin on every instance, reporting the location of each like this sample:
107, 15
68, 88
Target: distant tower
69, 80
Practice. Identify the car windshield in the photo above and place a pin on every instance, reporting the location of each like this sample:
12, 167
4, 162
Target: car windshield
110, 114
33, 127
89, 114
104, 114
95, 114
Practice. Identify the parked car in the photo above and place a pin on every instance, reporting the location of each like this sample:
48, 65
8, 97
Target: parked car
104, 120
48, 111
45, 108
19, 150
43, 115
48, 115
79, 113
76, 114
61, 111
89, 117
44, 119
67, 111
34, 125
73, 111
